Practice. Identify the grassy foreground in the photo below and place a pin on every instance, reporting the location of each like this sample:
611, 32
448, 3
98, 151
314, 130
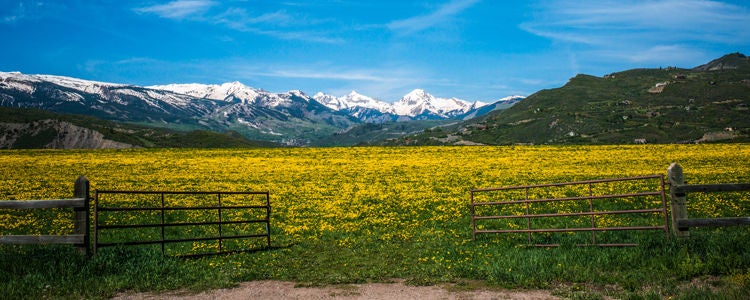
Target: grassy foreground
351, 215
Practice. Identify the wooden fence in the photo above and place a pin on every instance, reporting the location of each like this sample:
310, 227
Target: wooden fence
80, 205
678, 194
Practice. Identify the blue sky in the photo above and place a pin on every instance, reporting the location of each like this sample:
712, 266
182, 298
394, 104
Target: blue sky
470, 49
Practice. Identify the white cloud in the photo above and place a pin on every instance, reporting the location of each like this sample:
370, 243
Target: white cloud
423, 22
179, 9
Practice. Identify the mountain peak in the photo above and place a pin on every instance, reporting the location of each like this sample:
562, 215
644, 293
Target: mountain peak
353, 96
234, 84
417, 93
353, 101
420, 103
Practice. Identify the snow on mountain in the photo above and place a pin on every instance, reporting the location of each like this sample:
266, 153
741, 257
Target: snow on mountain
329, 101
74, 89
86, 86
511, 99
227, 91
418, 102
25, 83
233, 91
353, 100
17, 81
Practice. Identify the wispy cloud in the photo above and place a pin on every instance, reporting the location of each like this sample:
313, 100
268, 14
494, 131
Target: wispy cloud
277, 24
179, 9
647, 30
423, 22
325, 71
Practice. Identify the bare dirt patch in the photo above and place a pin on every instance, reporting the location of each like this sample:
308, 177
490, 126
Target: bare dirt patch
269, 289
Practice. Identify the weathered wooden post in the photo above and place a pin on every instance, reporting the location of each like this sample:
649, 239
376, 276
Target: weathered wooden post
678, 200
81, 223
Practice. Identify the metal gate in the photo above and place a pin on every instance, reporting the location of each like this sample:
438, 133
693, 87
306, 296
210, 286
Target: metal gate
191, 223
572, 207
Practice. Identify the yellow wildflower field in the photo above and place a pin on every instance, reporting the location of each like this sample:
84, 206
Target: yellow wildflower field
388, 194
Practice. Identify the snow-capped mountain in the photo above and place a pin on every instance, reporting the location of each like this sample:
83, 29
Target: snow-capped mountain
110, 98
417, 104
352, 100
420, 103
233, 92
227, 91
285, 117
292, 116
364, 108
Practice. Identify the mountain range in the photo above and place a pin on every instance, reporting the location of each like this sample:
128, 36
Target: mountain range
416, 105
291, 118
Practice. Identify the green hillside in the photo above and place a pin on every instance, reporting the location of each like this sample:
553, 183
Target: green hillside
709, 103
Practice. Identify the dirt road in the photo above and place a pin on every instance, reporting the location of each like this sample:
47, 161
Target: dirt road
268, 289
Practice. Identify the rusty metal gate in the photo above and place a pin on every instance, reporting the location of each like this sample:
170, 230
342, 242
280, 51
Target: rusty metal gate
193, 223
595, 206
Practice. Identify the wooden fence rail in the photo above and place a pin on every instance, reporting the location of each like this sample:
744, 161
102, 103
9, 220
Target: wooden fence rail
678, 194
80, 205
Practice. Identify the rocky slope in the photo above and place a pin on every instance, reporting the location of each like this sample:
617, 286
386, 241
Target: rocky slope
54, 134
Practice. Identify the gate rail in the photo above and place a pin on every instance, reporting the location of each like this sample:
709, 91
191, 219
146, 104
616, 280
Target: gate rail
592, 213
98, 209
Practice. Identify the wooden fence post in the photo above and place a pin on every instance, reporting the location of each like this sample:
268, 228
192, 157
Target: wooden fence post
81, 222
678, 200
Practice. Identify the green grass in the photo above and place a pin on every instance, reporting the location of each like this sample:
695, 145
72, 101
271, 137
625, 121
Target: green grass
656, 268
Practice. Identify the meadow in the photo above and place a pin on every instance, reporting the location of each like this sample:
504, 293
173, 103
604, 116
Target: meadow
363, 214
